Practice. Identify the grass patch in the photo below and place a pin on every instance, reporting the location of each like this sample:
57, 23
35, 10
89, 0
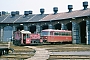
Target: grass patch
19, 52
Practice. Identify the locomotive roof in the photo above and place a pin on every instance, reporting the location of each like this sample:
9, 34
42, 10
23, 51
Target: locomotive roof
25, 32
56, 30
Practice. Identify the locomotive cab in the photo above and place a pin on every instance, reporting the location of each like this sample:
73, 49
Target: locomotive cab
21, 37
26, 38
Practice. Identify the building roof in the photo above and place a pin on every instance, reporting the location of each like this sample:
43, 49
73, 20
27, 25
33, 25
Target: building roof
44, 17
67, 15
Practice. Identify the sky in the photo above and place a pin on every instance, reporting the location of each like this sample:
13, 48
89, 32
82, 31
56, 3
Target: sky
35, 5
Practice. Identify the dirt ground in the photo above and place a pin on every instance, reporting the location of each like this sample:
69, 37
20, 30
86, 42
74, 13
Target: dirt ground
51, 48
20, 53
66, 47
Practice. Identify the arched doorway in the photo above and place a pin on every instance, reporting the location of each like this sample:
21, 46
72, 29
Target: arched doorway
44, 27
20, 27
83, 31
57, 26
32, 28
69, 26
7, 34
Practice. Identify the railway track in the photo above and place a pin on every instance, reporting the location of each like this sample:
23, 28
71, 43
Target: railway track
17, 56
65, 51
19, 53
22, 53
69, 57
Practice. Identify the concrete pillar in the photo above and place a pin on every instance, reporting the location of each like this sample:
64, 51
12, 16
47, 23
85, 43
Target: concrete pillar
25, 28
14, 28
75, 33
29, 28
40, 28
63, 27
88, 32
1, 37
37, 28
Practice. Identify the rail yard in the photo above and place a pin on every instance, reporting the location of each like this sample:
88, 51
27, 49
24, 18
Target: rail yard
19, 53
50, 52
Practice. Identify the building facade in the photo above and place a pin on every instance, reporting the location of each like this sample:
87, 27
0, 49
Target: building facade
77, 21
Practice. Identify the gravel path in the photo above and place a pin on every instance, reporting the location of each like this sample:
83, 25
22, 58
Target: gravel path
40, 54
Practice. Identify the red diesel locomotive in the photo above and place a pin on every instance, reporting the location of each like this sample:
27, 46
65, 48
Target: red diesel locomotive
25, 38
